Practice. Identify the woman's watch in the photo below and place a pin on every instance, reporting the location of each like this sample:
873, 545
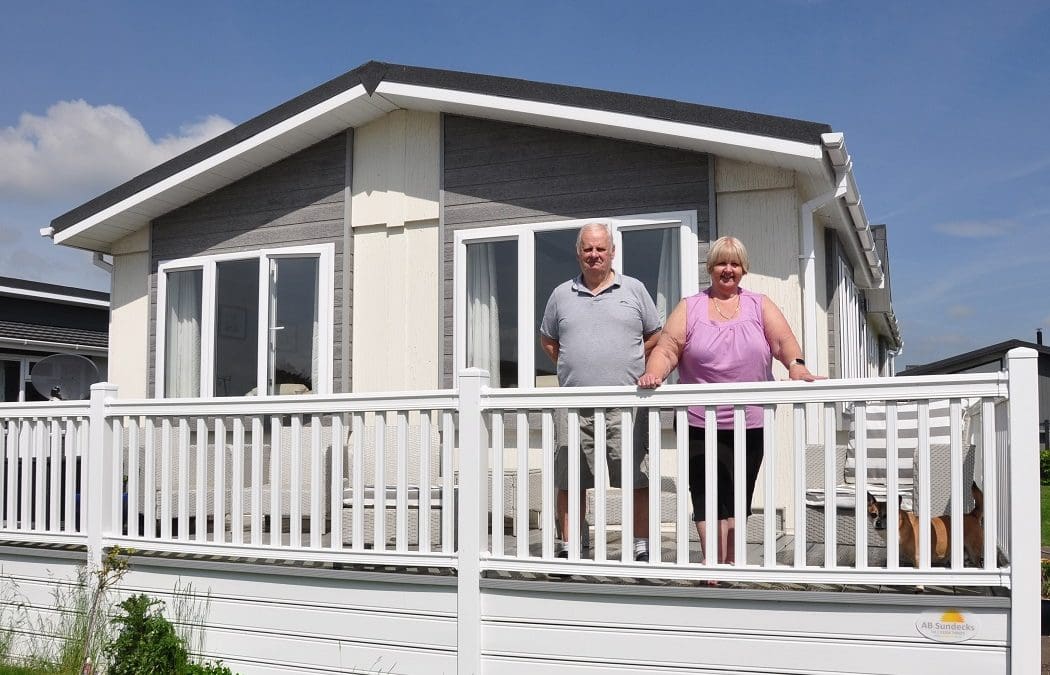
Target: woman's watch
797, 362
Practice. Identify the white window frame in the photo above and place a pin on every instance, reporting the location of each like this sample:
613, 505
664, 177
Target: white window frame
857, 343
521, 234
325, 254
25, 365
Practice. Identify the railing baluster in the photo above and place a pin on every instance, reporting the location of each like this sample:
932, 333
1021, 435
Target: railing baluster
165, 478
149, 490
276, 481
317, 462
740, 505
497, 480
769, 553
990, 486
39, 473
201, 494
256, 481
11, 492
237, 483
219, 469
627, 484
958, 497
572, 537
379, 486
922, 487
134, 484
801, 548
54, 490
711, 533
357, 485
425, 482
184, 483
521, 520
655, 488
682, 524
72, 473
336, 483
295, 482
116, 500
448, 494
401, 508
860, 510
892, 489
830, 480
601, 540
547, 503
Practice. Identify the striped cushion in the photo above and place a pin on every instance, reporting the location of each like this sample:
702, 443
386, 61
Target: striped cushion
907, 438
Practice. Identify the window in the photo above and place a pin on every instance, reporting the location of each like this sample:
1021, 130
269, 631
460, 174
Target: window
241, 324
504, 276
856, 343
16, 378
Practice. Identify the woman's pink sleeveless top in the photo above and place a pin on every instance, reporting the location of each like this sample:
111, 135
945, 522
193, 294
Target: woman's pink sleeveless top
725, 351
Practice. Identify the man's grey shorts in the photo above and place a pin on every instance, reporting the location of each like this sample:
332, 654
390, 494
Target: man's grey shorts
612, 449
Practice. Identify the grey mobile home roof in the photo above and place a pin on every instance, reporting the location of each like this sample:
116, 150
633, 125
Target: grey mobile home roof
371, 74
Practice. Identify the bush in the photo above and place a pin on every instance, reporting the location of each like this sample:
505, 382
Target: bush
147, 643
1044, 465
1046, 579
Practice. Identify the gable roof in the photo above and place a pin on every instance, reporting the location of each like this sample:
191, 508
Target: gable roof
374, 89
961, 362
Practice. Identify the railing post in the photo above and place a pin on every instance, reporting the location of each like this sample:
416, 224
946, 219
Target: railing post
473, 517
97, 484
1022, 366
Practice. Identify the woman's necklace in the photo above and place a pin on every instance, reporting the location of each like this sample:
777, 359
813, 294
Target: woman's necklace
736, 310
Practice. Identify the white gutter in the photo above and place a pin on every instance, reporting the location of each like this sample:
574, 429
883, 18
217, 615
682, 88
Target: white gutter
44, 344
808, 274
835, 145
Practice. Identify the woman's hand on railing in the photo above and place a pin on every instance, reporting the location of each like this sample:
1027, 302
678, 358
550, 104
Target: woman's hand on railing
650, 381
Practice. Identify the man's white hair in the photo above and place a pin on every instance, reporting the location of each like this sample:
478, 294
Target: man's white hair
594, 226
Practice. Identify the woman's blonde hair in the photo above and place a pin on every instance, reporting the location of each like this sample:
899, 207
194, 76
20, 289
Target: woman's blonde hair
727, 248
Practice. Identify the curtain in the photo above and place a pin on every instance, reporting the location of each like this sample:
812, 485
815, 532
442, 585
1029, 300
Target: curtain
669, 281
182, 355
482, 311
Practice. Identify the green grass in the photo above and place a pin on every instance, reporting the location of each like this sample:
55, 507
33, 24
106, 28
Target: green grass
1044, 498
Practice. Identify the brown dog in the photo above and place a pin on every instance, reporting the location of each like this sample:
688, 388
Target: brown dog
940, 531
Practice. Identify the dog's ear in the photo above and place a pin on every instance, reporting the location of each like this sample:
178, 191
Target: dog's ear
900, 502
871, 499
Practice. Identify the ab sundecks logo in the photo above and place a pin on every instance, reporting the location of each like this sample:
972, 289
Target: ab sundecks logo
948, 626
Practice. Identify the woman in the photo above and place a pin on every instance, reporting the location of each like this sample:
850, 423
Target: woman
724, 334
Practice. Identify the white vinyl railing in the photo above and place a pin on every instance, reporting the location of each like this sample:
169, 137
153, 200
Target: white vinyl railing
464, 479
42, 446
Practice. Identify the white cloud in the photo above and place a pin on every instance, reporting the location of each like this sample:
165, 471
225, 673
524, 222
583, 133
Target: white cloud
976, 229
77, 148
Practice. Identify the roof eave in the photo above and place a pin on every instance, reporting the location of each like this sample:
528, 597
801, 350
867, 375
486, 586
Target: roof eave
98, 224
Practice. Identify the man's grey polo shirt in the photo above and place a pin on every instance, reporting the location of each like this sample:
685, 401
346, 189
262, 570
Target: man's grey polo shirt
600, 337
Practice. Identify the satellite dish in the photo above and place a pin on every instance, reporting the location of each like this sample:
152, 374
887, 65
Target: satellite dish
64, 377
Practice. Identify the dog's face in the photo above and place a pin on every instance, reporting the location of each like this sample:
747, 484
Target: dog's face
876, 512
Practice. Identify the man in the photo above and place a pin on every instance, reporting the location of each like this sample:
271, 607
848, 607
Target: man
598, 329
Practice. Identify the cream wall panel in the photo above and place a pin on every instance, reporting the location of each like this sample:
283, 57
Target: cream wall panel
394, 215
396, 170
396, 323
129, 315
765, 218
733, 176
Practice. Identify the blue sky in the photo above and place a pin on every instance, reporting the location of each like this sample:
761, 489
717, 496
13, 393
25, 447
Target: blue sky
944, 107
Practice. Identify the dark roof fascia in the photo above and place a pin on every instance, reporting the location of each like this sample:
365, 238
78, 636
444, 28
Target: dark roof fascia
973, 358
40, 287
372, 73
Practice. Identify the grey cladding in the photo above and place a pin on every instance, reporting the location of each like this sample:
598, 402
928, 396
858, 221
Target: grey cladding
496, 173
297, 201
